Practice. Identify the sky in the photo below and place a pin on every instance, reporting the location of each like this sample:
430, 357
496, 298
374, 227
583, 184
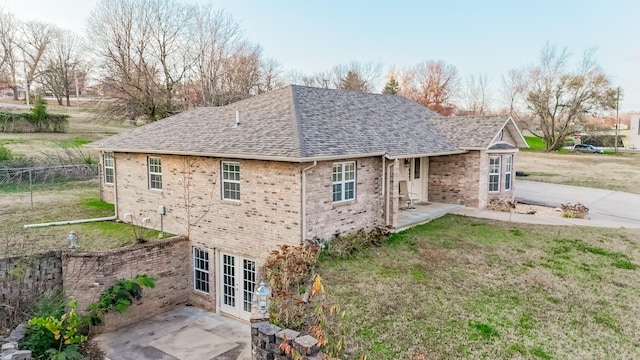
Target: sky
487, 36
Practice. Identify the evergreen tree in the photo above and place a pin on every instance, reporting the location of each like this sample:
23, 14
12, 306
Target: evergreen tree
391, 87
352, 81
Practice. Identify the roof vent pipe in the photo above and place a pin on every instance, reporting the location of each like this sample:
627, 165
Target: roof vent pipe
237, 119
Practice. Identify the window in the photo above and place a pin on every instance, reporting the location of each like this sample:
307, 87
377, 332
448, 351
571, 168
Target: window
494, 173
416, 168
231, 181
344, 181
109, 172
508, 165
201, 270
155, 173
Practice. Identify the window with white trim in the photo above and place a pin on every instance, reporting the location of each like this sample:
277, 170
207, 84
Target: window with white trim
109, 169
494, 173
344, 181
155, 172
508, 168
230, 180
416, 168
201, 270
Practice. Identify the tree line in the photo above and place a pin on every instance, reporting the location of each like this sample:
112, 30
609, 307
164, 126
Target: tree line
155, 58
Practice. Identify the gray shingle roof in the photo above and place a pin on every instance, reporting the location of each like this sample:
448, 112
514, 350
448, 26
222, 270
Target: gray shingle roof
472, 131
294, 122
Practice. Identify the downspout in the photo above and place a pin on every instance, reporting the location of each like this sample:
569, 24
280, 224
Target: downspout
303, 204
81, 221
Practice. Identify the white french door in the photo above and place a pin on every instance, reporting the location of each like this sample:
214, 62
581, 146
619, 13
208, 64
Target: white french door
237, 285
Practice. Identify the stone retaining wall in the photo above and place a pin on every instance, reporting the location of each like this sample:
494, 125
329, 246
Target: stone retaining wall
23, 280
266, 339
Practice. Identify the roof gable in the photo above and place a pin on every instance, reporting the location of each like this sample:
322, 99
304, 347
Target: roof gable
480, 132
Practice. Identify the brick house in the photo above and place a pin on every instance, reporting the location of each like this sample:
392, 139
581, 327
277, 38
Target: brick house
296, 163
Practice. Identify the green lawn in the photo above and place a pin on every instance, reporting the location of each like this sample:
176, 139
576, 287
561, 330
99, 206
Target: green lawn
461, 288
57, 202
535, 142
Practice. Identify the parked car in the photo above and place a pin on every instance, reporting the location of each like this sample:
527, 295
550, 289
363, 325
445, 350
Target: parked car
587, 148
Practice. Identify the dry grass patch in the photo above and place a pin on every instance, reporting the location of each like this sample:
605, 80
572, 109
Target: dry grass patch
464, 288
614, 172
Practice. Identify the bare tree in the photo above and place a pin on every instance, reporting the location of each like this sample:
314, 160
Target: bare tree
475, 97
158, 57
35, 39
62, 65
9, 62
560, 99
431, 83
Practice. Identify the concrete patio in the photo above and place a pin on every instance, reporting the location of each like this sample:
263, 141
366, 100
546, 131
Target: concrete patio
186, 333
422, 212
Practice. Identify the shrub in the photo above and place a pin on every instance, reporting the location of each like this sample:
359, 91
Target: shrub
577, 210
501, 205
342, 246
119, 296
287, 270
67, 334
39, 339
5, 154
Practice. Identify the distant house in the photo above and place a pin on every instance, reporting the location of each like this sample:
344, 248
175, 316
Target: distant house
293, 164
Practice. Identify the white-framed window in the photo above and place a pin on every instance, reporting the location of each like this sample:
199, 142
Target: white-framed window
344, 181
201, 270
230, 180
416, 168
508, 168
155, 172
109, 168
494, 173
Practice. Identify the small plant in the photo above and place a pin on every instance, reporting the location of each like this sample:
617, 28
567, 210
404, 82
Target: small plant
119, 296
577, 210
501, 205
484, 331
66, 331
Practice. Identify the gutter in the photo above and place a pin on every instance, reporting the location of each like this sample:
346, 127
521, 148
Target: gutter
303, 200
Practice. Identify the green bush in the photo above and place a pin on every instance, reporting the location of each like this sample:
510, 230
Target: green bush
38, 338
119, 296
5, 154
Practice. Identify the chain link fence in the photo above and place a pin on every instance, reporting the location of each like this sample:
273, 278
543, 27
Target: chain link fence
26, 178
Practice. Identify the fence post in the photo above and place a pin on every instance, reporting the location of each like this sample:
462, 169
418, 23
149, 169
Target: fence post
31, 186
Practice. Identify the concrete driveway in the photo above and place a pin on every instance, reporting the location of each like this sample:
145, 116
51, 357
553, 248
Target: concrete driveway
186, 333
615, 207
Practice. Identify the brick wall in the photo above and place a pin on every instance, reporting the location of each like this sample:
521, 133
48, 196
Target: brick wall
23, 280
268, 214
326, 218
86, 275
457, 179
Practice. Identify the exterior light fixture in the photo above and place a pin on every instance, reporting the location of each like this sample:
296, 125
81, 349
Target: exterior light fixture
73, 241
262, 296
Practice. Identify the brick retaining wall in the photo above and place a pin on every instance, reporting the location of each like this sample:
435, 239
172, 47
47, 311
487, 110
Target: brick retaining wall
87, 274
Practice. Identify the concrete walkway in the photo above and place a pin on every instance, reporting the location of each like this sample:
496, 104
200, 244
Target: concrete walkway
186, 333
607, 208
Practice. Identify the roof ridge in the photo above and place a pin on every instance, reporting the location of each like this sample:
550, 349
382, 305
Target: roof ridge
297, 121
